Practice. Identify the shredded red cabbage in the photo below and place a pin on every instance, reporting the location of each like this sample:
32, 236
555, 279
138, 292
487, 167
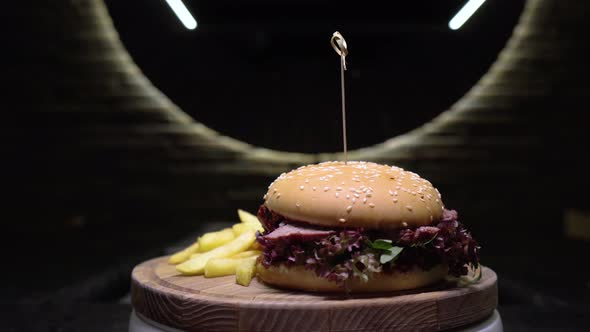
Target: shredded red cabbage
349, 254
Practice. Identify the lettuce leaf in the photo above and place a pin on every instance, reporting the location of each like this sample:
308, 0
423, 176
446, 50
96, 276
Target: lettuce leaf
356, 253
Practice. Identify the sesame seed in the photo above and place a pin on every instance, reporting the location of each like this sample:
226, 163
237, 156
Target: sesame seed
306, 180
338, 188
369, 195
301, 187
364, 200
342, 220
409, 207
349, 208
347, 196
371, 205
391, 193
274, 190
353, 200
395, 200
405, 224
357, 195
264, 197
313, 188
326, 188
278, 195
297, 205
337, 194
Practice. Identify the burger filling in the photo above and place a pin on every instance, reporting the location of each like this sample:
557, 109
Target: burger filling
346, 253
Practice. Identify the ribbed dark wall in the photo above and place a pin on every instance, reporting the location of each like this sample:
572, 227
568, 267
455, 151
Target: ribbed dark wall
87, 136
510, 151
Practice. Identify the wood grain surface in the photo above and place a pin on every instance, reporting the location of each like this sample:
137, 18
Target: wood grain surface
195, 303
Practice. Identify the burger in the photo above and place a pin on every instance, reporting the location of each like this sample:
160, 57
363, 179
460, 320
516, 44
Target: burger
359, 227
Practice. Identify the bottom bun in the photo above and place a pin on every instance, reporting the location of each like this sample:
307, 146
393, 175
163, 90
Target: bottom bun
299, 278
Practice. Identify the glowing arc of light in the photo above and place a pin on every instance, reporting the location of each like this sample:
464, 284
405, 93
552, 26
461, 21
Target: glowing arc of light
182, 13
465, 13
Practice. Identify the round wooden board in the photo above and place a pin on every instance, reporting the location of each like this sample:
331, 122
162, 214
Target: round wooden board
195, 303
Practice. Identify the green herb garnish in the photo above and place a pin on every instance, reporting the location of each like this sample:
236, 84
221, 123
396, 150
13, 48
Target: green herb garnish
423, 244
381, 244
389, 252
390, 255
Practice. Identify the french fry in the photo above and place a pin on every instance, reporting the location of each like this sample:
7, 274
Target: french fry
195, 266
217, 267
247, 253
250, 219
255, 246
184, 254
212, 240
242, 227
245, 271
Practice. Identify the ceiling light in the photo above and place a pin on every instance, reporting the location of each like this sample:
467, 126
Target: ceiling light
465, 13
182, 13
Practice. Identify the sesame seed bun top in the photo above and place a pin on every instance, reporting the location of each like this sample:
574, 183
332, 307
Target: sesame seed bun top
356, 194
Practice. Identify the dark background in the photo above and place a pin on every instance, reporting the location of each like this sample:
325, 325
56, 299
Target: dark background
269, 66
102, 171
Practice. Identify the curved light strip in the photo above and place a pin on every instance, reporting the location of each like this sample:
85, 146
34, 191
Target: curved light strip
465, 13
182, 13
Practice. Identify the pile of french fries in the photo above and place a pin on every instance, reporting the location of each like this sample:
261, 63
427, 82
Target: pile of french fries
226, 252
